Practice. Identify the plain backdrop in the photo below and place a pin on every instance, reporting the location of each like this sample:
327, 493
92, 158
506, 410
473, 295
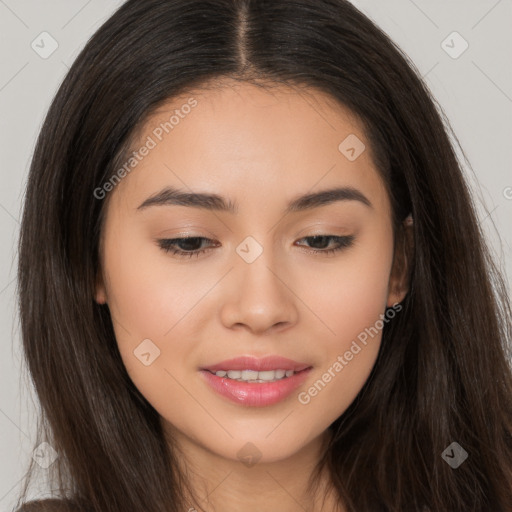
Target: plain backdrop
473, 85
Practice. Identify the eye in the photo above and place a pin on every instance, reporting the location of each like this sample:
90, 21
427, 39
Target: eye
190, 246
193, 246
342, 242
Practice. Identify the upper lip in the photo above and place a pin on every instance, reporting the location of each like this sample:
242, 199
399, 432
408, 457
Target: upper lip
255, 364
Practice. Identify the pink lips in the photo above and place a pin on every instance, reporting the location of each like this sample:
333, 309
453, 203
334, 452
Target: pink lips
256, 394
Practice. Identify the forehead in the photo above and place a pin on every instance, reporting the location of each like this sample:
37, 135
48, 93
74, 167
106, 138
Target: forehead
244, 112
242, 137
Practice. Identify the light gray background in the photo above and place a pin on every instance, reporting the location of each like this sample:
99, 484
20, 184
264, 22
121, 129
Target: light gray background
475, 91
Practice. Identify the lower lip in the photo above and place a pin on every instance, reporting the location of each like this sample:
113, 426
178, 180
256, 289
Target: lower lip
257, 394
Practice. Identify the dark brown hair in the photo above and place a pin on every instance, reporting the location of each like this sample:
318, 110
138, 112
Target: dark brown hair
443, 372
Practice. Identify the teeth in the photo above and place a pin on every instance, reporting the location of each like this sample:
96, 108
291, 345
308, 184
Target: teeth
249, 375
268, 375
253, 376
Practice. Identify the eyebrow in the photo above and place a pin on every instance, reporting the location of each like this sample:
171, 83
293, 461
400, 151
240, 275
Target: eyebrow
214, 202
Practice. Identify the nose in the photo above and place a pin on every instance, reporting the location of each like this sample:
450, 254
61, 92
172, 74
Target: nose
259, 298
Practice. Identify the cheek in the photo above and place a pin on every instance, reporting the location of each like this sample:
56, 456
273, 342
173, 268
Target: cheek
148, 295
349, 294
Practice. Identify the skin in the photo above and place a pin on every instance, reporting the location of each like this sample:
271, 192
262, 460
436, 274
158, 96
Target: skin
260, 149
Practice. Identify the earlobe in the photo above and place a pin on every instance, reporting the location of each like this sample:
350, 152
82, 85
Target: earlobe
101, 295
399, 279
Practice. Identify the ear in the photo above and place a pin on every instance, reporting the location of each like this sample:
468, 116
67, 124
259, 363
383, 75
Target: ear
101, 294
399, 279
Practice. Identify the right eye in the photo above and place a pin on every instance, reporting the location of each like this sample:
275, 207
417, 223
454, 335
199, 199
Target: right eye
190, 246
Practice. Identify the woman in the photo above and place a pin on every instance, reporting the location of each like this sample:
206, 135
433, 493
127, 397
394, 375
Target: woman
251, 274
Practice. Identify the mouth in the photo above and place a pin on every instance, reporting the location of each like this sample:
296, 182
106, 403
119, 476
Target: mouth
256, 382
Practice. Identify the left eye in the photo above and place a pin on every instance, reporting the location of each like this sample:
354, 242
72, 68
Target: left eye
191, 246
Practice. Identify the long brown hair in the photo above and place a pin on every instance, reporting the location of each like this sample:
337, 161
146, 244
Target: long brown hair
443, 372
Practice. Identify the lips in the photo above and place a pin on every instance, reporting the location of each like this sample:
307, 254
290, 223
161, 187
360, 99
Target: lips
255, 364
255, 392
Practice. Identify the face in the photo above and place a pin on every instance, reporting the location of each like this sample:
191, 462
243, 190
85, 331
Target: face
274, 267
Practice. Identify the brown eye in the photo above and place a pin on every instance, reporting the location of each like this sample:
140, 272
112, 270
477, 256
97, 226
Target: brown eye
342, 242
187, 247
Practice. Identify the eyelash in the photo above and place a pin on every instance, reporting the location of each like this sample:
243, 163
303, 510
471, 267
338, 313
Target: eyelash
167, 245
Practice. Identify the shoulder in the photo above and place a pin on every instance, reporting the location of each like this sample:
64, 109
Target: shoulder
49, 505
